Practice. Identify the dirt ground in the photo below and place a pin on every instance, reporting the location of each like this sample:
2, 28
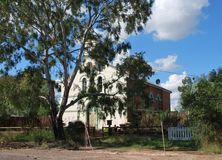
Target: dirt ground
102, 154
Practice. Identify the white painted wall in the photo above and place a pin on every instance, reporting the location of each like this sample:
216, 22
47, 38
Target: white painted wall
76, 112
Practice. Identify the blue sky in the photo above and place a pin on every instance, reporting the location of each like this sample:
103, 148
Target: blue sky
183, 37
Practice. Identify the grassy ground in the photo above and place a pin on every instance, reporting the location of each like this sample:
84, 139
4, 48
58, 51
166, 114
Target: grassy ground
120, 141
24, 136
46, 137
142, 142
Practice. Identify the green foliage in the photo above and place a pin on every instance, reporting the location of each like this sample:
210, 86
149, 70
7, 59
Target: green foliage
61, 25
75, 133
170, 119
8, 92
202, 100
36, 135
20, 95
137, 71
142, 142
136, 68
150, 119
174, 119
41, 136
215, 147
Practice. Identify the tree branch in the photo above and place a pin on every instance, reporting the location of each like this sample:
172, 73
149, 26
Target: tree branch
88, 95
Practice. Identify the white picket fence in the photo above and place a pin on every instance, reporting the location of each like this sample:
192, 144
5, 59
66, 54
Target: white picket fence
179, 133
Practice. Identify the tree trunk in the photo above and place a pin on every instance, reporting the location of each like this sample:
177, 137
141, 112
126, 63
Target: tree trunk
53, 123
57, 124
60, 129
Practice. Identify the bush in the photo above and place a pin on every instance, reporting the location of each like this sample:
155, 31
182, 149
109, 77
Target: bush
176, 118
212, 148
75, 132
7, 136
41, 136
149, 119
36, 135
202, 99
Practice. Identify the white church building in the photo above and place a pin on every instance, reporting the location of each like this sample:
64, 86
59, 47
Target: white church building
79, 113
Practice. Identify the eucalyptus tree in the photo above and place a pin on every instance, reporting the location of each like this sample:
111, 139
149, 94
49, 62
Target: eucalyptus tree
52, 35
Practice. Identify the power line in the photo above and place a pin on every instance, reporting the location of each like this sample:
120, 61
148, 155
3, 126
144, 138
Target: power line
171, 72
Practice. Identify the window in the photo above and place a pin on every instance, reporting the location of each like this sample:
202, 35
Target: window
100, 84
100, 67
89, 64
151, 97
158, 98
84, 84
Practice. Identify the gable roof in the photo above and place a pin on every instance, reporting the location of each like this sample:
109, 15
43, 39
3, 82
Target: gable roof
158, 86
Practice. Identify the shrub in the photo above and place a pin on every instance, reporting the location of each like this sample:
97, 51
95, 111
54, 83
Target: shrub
40, 136
75, 132
7, 136
149, 119
212, 148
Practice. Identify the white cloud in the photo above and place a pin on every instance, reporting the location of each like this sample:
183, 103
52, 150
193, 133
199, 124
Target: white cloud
123, 35
172, 84
175, 19
120, 57
166, 64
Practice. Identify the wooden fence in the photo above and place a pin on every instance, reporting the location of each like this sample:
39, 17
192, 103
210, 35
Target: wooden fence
25, 122
179, 133
131, 130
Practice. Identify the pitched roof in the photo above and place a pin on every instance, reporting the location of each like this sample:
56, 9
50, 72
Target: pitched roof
158, 86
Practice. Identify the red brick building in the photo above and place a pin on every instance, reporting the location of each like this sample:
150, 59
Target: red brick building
159, 97
154, 98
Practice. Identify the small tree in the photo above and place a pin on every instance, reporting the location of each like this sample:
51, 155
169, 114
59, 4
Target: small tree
20, 94
137, 71
8, 90
162, 116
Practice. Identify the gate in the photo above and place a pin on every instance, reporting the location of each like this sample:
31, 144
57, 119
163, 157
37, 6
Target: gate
179, 133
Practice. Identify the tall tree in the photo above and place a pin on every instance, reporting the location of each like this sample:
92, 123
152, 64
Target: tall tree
52, 34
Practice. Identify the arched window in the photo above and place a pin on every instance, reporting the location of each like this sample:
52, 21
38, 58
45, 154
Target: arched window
100, 84
84, 84
100, 67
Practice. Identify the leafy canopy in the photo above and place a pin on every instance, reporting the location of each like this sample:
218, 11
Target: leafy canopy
62, 27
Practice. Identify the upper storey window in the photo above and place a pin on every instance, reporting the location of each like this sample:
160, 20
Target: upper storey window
84, 84
100, 68
100, 84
